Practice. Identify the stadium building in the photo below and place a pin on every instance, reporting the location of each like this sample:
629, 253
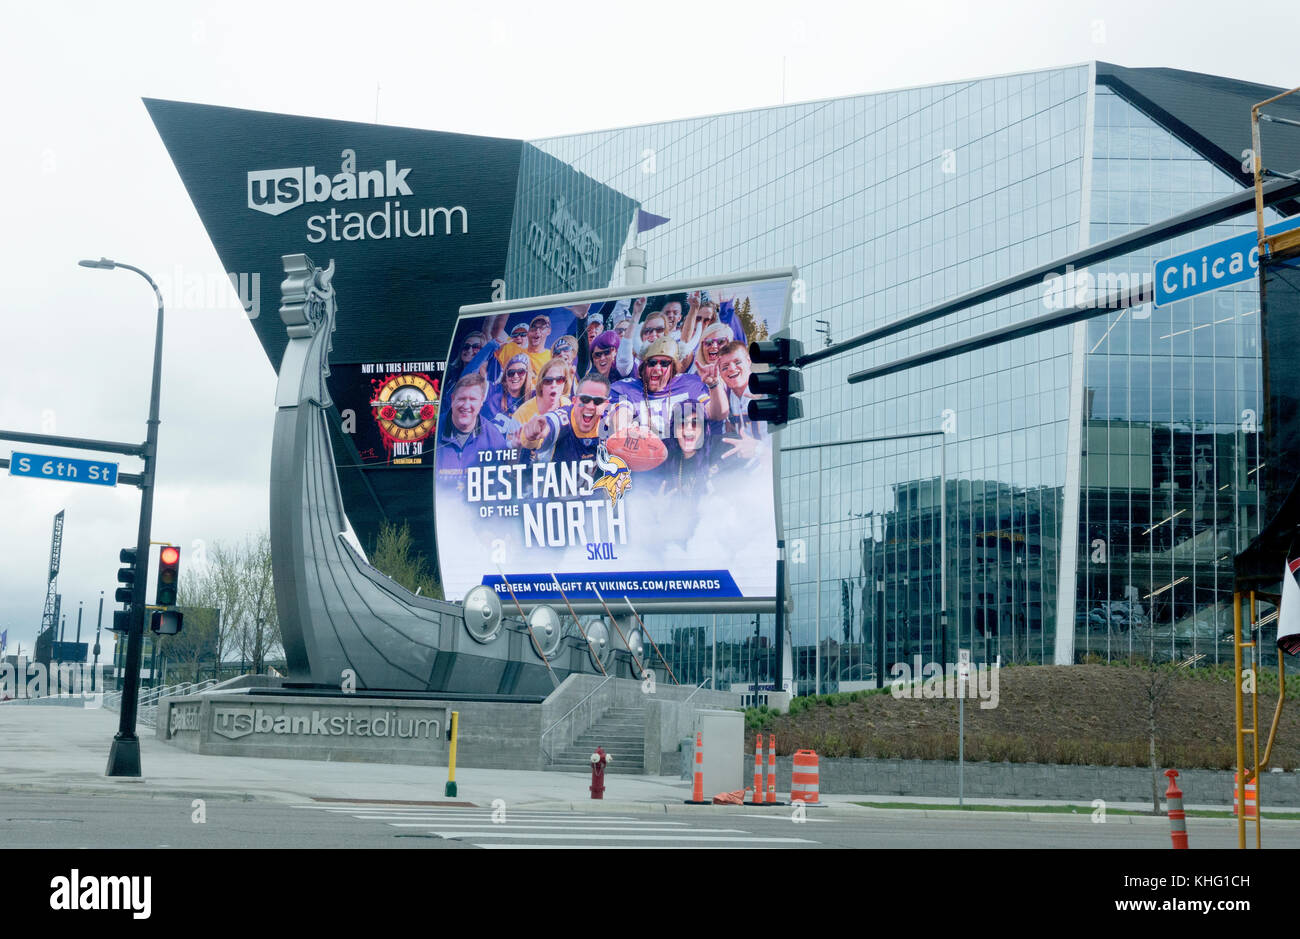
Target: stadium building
1098, 477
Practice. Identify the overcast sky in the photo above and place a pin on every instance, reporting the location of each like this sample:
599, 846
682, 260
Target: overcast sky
86, 175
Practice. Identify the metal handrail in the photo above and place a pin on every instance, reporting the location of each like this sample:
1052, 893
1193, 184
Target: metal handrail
698, 688
149, 697
148, 712
586, 698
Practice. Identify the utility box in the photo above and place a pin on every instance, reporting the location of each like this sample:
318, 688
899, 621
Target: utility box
724, 750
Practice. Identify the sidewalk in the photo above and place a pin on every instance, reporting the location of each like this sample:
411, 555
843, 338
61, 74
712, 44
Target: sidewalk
65, 750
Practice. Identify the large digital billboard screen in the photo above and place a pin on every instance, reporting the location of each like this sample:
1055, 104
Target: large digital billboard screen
598, 445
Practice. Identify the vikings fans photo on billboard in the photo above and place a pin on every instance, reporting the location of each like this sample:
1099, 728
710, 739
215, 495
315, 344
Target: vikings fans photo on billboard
612, 447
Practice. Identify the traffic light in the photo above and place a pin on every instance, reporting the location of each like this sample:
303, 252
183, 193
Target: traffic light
126, 576
779, 383
166, 622
169, 572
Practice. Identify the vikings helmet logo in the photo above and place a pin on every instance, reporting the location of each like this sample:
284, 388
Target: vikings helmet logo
617, 477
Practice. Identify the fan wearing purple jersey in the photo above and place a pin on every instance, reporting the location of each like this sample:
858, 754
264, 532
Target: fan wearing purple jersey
571, 434
647, 400
506, 397
466, 436
692, 455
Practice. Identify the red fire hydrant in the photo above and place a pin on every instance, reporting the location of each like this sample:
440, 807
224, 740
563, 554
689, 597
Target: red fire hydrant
599, 759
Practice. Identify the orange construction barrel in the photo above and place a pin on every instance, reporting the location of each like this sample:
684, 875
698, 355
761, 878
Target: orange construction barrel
1252, 798
803, 779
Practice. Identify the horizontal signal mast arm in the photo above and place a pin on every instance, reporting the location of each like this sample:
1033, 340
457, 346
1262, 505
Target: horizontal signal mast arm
74, 443
1221, 210
1113, 300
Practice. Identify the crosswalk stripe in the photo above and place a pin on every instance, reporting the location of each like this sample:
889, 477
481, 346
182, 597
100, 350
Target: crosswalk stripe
598, 847
582, 833
390, 812
512, 819
541, 828
471, 813
518, 822
675, 836
778, 818
369, 809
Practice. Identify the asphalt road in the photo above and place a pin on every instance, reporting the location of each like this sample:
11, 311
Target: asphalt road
40, 820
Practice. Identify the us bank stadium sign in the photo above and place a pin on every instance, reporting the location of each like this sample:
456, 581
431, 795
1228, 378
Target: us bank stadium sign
311, 728
277, 191
236, 722
566, 246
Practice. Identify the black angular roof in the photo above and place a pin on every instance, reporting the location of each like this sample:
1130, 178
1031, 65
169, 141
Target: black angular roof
1211, 114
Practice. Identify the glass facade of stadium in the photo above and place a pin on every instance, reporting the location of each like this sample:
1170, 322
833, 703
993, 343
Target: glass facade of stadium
1099, 477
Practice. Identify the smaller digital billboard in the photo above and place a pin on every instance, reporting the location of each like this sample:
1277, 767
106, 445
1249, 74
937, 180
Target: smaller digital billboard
390, 409
599, 445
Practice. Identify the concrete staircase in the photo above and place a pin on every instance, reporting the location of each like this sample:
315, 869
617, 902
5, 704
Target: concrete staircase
621, 731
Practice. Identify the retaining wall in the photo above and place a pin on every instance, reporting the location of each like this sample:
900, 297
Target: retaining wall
1082, 784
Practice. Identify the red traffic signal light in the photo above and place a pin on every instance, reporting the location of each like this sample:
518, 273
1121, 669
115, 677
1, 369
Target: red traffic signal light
169, 563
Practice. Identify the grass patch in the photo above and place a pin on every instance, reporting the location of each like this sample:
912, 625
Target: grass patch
1090, 715
1062, 810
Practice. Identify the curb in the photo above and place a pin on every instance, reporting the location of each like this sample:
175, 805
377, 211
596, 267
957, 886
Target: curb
142, 787
118, 787
681, 808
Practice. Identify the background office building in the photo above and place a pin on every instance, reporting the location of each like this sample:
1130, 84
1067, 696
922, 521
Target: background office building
1099, 477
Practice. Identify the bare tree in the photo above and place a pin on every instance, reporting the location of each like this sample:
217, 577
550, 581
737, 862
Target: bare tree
1159, 683
225, 569
194, 645
259, 628
236, 580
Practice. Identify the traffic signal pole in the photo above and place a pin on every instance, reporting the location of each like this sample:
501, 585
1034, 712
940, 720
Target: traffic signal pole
124, 757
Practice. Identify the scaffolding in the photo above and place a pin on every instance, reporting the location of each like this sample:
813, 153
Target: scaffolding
1261, 562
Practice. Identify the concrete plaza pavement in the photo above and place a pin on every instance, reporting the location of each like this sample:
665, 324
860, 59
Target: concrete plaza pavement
65, 750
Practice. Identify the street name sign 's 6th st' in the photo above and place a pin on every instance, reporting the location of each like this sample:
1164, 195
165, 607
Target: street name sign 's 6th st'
44, 466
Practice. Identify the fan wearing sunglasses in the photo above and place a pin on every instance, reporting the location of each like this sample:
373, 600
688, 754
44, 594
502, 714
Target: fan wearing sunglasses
692, 458
571, 435
476, 354
705, 362
539, 328
604, 353
566, 348
509, 394
703, 313
647, 401
650, 330
589, 323
548, 396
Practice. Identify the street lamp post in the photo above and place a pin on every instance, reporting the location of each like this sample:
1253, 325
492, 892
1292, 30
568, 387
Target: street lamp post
98, 624
124, 757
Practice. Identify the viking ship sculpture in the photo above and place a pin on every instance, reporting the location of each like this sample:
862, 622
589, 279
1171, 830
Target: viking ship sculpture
341, 619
